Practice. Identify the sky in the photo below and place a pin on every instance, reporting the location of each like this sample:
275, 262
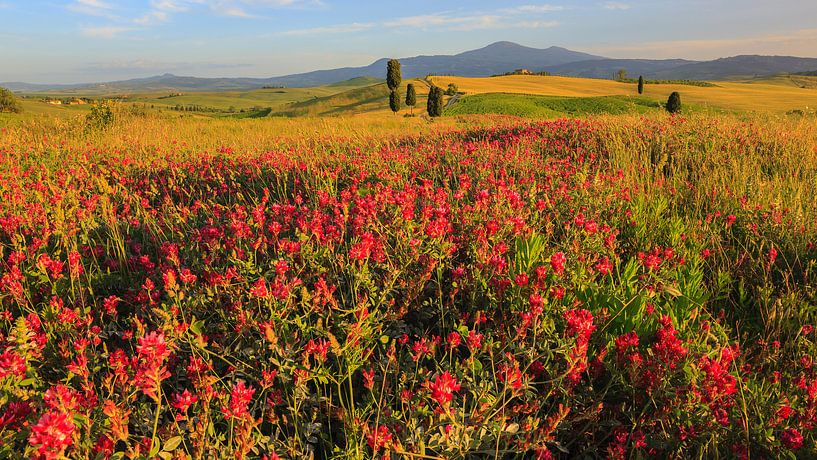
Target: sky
75, 41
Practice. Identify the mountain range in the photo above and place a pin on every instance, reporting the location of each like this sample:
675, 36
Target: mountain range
497, 58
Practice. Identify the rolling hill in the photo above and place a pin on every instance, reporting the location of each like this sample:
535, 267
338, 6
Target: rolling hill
763, 95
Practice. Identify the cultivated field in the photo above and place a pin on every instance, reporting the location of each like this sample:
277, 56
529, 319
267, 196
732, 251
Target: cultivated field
632, 286
765, 95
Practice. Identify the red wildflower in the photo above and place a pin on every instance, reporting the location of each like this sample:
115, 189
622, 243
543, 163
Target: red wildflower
52, 434
443, 388
792, 438
240, 398
557, 262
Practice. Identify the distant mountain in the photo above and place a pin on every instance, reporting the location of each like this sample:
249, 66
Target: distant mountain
739, 66
497, 58
512, 53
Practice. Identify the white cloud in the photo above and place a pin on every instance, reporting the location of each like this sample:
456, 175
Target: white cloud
616, 6
329, 30
465, 23
103, 31
538, 24
505, 18
91, 7
545, 8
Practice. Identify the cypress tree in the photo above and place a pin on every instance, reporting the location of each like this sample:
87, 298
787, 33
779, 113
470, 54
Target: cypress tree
411, 96
394, 101
394, 76
674, 102
641, 85
435, 102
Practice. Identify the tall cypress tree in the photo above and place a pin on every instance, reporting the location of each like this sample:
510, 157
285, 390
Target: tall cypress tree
435, 102
394, 75
641, 85
394, 101
411, 96
674, 102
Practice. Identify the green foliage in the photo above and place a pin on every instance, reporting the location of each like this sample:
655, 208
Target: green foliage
621, 75
452, 89
641, 85
394, 75
434, 106
100, 118
394, 101
411, 95
9, 102
674, 102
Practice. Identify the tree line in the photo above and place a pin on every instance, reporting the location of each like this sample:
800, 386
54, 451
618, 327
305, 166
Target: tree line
394, 78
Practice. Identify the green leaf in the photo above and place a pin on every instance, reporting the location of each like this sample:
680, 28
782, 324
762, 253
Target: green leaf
172, 443
155, 449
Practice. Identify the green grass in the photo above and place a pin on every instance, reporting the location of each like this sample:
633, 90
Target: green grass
354, 101
530, 106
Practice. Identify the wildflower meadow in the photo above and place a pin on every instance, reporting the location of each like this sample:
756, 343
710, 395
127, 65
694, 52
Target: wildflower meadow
616, 287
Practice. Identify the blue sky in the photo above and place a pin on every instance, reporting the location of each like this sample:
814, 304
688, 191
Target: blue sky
96, 40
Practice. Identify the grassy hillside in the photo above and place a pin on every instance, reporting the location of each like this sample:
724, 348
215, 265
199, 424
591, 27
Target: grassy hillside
745, 96
264, 100
374, 98
530, 106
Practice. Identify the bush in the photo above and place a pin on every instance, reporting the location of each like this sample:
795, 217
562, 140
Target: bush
452, 90
9, 102
674, 102
100, 118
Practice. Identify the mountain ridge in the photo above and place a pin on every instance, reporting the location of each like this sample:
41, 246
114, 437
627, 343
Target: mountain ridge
495, 58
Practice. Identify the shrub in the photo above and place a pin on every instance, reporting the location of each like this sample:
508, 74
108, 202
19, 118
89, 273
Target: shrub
452, 89
9, 102
100, 118
674, 102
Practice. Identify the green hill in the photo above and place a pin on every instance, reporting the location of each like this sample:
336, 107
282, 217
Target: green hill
531, 106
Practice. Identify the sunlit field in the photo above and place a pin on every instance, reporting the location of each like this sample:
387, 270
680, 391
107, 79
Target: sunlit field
391, 287
763, 95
